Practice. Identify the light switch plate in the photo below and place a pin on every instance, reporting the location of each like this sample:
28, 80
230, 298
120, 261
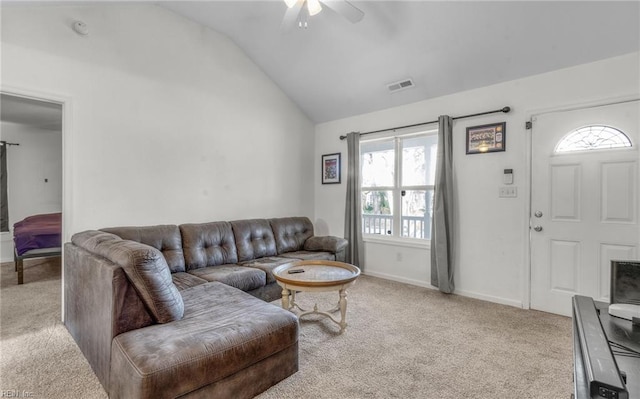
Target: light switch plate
508, 192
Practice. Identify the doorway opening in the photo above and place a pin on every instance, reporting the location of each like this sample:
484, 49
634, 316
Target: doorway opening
32, 173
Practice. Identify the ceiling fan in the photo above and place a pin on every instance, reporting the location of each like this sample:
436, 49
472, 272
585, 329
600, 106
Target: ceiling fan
299, 11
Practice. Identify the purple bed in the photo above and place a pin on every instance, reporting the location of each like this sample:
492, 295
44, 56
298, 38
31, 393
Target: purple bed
36, 236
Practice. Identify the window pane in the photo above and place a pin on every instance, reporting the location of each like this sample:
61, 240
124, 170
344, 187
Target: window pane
419, 160
417, 208
377, 161
596, 137
377, 212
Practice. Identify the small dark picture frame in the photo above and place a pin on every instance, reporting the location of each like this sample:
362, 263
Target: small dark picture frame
486, 138
331, 168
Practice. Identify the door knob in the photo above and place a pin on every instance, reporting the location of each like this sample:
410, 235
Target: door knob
537, 228
538, 214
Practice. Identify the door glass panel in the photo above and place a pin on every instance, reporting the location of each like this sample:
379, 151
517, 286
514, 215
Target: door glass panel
596, 137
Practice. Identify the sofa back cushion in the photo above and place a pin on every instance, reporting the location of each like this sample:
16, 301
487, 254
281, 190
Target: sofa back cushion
208, 244
291, 233
145, 267
254, 239
165, 238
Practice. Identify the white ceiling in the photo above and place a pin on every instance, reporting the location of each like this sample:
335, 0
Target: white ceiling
336, 69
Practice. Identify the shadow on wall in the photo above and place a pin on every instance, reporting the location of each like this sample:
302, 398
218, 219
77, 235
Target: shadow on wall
321, 228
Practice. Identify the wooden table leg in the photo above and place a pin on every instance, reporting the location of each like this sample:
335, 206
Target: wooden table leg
285, 299
343, 309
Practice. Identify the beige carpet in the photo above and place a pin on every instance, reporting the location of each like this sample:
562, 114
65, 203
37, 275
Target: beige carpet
402, 342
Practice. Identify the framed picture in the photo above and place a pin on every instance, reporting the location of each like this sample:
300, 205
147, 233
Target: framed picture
486, 138
331, 169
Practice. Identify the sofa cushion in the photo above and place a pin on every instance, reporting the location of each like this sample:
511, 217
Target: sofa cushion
309, 255
242, 278
291, 233
184, 280
325, 243
165, 238
223, 331
145, 267
208, 244
267, 265
254, 239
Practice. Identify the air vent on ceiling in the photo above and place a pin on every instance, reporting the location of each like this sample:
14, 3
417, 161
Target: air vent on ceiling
403, 84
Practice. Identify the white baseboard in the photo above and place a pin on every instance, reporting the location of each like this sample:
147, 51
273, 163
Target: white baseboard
490, 298
405, 280
469, 294
6, 254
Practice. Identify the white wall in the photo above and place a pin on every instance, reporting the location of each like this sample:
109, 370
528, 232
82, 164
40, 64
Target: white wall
38, 157
491, 233
170, 122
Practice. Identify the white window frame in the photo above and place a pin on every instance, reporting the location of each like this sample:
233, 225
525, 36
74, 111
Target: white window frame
396, 237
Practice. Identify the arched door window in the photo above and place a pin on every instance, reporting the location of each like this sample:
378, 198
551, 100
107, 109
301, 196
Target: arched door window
594, 137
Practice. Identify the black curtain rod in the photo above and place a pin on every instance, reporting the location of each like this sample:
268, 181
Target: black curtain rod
505, 110
4, 142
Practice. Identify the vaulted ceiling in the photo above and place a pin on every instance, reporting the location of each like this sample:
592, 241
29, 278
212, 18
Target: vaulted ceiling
335, 69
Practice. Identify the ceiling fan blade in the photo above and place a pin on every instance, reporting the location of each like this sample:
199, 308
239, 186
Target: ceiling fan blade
291, 15
346, 9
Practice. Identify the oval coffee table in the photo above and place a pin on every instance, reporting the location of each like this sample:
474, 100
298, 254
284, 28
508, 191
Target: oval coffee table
316, 275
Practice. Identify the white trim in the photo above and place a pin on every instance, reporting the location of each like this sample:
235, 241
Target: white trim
588, 104
526, 261
67, 156
6, 238
404, 280
490, 298
400, 132
468, 294
398, 242
531, 115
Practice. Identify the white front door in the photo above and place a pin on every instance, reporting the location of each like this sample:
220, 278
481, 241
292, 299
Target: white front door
584, 205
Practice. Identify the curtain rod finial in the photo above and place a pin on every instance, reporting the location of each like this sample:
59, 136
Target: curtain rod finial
343, 137
506, 109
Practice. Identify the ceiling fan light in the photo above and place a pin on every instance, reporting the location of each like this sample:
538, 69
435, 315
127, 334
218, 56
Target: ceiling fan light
314, 7
290, 3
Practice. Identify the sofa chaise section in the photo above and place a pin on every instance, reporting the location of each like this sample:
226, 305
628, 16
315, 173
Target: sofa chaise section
226, 342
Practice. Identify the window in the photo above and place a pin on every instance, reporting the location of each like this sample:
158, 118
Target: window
397, 176
596, 137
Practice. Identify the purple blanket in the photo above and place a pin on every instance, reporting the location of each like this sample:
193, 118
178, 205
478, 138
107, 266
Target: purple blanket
38, 231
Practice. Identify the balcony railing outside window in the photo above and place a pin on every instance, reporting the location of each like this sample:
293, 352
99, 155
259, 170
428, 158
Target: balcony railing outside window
412, 226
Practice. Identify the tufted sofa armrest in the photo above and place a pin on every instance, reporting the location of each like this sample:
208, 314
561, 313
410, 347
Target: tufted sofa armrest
325, 243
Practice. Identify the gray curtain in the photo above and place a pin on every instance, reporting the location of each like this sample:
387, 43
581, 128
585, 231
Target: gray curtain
353, 209
442, 224
4, 206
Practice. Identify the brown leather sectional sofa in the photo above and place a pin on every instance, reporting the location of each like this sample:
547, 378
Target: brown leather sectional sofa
181, 311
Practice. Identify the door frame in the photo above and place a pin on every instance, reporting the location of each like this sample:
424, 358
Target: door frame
531, 116
65, 102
